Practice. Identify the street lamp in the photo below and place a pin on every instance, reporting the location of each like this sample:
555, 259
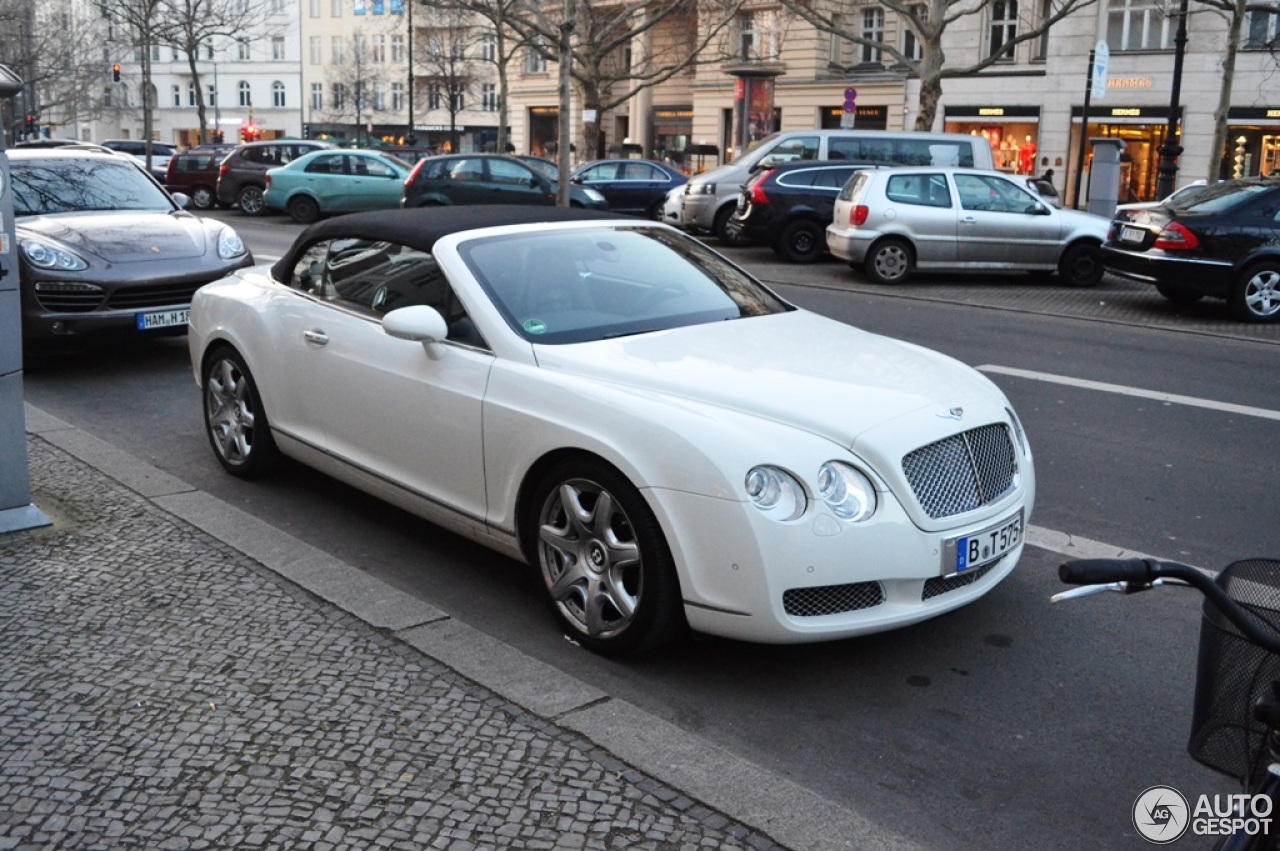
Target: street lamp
411, 138
1167, 168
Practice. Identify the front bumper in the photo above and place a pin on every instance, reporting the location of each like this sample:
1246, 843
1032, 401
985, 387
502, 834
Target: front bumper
698, 212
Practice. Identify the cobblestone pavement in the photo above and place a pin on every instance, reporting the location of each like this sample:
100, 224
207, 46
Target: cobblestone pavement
161, 690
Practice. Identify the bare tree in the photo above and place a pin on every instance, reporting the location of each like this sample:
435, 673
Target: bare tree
447, 63
928, 21
505, 42
193, 25
356, 76
145, 29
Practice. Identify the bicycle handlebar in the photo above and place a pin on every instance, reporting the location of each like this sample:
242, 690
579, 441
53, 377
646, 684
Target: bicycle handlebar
1140, 571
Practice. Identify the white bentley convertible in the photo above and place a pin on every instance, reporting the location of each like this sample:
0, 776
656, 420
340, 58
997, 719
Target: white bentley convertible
667, 441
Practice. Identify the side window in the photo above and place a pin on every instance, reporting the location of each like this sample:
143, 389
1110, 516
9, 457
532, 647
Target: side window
309, 271
598, 172
832, 178
374, 168
263, 155
979, 192
509, 173
803, 177
639, 171
799, 148
924, 190
327, 164
465, 168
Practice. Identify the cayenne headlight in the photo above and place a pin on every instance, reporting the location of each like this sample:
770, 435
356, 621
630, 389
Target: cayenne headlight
230, 245
47, 256
775, 492
846, 491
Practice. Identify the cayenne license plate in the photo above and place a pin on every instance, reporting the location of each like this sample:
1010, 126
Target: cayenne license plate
973, 551
163, 319
1128, 234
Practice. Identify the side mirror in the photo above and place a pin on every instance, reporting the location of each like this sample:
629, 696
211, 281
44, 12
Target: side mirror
577, 178
419, 323
182, 199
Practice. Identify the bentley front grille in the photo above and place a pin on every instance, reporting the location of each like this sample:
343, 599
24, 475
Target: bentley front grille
962, 472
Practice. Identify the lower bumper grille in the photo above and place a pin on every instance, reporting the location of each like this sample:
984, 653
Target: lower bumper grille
940, 585
831, 599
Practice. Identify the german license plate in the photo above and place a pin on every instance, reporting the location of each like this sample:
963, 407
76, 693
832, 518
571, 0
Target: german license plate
973, 551
1128, 234
163, 319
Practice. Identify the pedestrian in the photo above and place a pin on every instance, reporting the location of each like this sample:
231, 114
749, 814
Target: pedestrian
1048, 175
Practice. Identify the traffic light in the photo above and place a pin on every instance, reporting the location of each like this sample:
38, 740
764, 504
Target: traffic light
217, 137
115, 73
31, 124
248, 133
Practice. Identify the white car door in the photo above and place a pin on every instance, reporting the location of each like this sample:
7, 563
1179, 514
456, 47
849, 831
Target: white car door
387, 407
1002, 224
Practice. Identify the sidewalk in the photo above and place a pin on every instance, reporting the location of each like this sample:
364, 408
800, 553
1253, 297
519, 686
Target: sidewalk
177, 675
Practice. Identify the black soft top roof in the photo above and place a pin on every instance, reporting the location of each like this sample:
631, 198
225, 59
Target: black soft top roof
420, 228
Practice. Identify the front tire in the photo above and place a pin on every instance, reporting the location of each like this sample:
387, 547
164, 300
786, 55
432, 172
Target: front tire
250, 201
888, 262
802, 241
234, 417
202, 198
1081, 265
1256, 296
603, 558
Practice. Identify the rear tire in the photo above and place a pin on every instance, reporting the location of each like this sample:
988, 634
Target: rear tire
1081, 265
250, 201
802, 241
303, 209
723, 232
1256, 296
888, 262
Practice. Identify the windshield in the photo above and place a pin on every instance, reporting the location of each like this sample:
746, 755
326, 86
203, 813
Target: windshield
573, 286
78, 184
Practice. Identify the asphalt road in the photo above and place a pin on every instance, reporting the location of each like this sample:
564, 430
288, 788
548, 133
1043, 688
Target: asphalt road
1008, 724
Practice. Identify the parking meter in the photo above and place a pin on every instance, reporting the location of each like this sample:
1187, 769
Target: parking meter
16, 510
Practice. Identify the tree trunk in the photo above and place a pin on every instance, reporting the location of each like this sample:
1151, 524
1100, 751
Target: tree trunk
201, 113
1217, 150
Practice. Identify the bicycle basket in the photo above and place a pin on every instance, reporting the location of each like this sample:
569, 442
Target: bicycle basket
1231, 674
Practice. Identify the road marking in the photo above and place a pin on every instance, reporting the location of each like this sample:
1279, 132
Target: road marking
1075, 546
1171, 398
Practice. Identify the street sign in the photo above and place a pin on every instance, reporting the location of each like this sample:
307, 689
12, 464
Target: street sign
1101, 58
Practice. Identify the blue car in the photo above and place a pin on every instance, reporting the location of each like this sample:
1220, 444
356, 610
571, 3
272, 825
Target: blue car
637, 187
326, 182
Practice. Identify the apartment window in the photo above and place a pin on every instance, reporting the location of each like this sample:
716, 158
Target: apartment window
155, 53
317, 96
315, 8
911, 47
191, 94
379, 96
277, 93
433, 96
489, 97
317, 51
175, 55
245, 93
335, 8
458, 47
208, 50
534, 62
836, 46
1261, 29
275, 7
379, 49
872, 30
177, 95
1004, 27
211, 96
1042, 46
459, 100
339, 57
397, 49
277, 47
489, 48
397, 97
1139, 25
242, 50
339, 97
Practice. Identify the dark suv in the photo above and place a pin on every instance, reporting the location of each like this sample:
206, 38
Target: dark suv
789, 206
487, 179
195, 173
242, 176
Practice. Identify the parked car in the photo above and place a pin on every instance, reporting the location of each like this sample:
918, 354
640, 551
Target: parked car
160, 153
788, 207
1045, 189
635, 187
663, 438
242, 174
322, 183
194, 173
1181, 194
1222, 242
893, 221
542, 165
407, 153
487, 179
711, 197
102, 250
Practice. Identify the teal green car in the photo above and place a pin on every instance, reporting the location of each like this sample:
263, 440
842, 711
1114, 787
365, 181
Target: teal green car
323, 183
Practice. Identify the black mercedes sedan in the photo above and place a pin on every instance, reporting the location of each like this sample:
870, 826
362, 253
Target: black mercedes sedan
1222, 242
104, 250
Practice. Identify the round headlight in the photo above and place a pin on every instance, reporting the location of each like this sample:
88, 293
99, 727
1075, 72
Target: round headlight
846, 491
230, 245
775, 492
47, 256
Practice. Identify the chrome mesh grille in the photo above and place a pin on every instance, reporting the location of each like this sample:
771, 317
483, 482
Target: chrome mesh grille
940, 585
962, 472
831, 599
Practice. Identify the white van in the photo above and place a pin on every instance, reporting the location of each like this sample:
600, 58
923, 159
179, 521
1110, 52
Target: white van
710, 198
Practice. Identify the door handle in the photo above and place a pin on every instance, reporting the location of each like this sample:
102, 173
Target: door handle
968, 220
317, 337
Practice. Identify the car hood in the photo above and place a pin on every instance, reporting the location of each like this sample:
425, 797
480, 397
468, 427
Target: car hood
122, 237
796, 368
